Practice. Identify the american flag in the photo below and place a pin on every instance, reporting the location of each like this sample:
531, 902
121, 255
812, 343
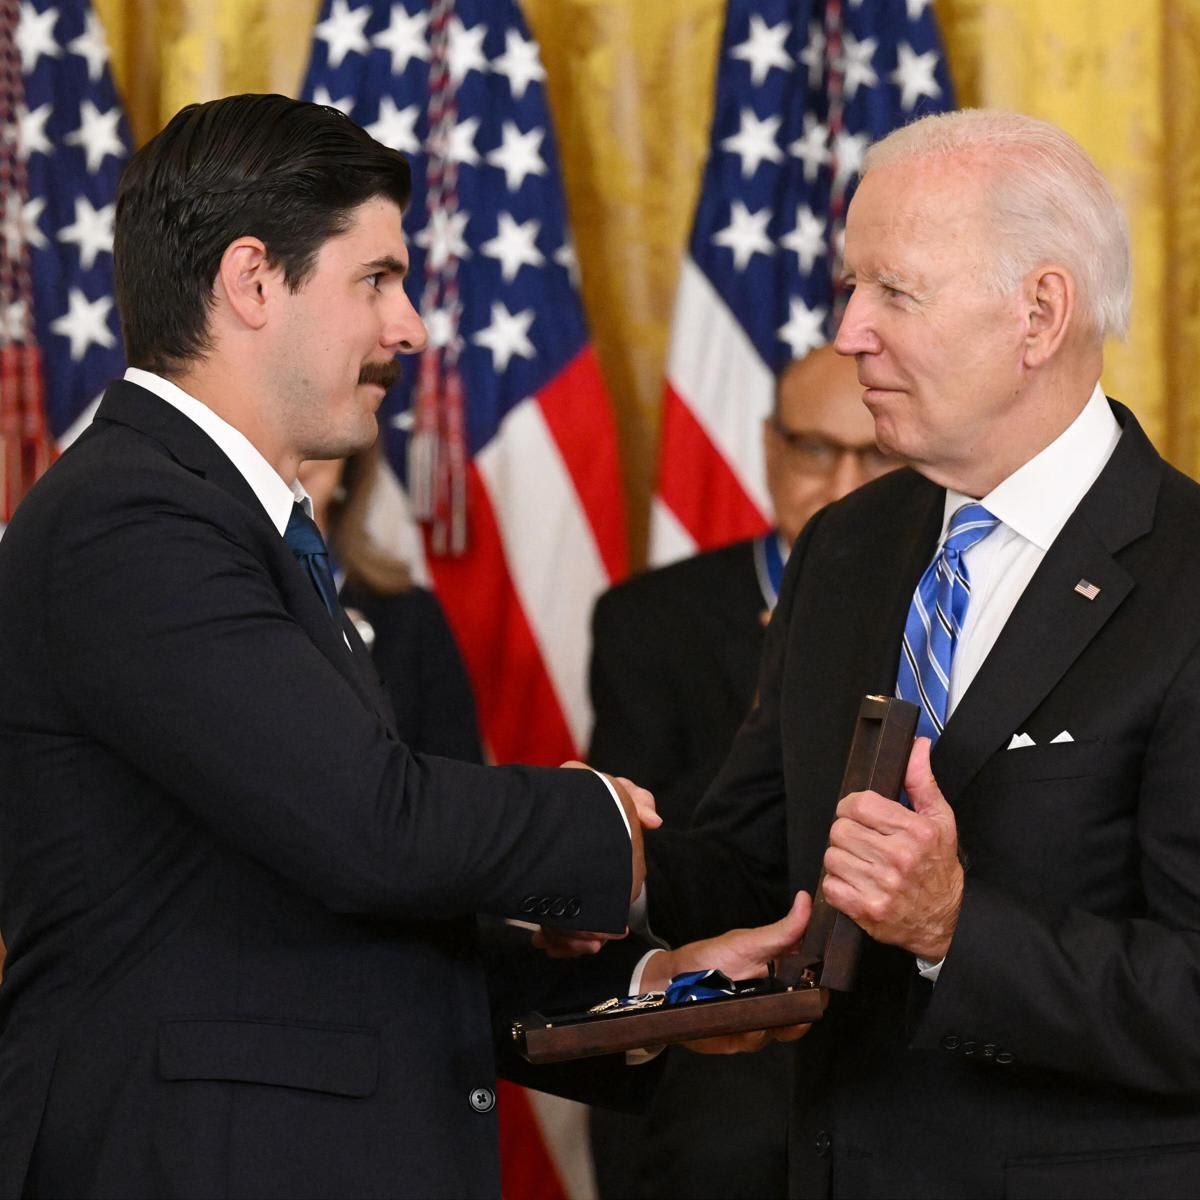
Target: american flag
501, 437
505, 420
803, 87
63, 144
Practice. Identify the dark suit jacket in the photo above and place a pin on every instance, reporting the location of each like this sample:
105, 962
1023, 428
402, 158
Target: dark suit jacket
674, 665
1057, 1055
421, 670
240, 914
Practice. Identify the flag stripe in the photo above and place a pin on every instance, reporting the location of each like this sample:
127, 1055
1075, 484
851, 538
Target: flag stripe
576, 409
703, 493
543, 526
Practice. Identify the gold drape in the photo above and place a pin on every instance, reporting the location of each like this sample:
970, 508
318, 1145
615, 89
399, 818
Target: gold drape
630, 85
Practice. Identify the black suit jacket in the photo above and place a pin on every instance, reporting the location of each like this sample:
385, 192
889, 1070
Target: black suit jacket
674, 666
1057, 1054
239, 912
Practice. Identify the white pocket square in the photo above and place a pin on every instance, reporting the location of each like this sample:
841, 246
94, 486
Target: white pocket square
1062, 737
1020, 740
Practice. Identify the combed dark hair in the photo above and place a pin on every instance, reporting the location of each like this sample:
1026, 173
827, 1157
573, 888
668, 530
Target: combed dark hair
282, 170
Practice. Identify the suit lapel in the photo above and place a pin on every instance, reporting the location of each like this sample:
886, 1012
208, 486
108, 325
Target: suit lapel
128, 404
1052, 624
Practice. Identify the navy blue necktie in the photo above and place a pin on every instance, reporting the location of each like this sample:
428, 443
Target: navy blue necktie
307, 544
935, 620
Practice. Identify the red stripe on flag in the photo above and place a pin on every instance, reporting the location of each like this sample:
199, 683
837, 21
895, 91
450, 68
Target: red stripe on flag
576, 409
518, 710
698, 485
528, 1172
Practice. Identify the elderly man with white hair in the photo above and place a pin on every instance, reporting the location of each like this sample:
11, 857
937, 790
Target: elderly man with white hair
1025, 1018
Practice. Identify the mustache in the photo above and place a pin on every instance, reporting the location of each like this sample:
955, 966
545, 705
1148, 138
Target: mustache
382, 373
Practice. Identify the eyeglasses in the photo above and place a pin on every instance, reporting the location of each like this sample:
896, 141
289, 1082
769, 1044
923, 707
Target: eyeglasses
813, 454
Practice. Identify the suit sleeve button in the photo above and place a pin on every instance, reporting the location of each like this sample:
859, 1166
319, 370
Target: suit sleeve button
482, 1099
543, 907
528, 904
989, 1050
573, 907
559, 908
969, 1048
950, 1042
822, 1143
1004, 1057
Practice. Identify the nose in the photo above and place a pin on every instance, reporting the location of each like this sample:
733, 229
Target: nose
404, 332
855, 335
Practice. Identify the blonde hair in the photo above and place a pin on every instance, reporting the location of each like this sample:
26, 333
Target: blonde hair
1049, 203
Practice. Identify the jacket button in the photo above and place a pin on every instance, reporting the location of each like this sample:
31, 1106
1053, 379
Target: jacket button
559, 908
989, 1050
950, 1042
1004, 1057
969, 1048
573, 906
482, 1099
543, 907
822, 1143
528, 904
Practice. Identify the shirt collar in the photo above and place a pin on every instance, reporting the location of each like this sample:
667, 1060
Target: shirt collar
275, 495
1037, 498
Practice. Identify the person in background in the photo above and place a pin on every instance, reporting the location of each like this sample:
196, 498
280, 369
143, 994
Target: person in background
402, 625
675, 655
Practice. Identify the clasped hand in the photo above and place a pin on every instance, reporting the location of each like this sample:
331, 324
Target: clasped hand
640, 813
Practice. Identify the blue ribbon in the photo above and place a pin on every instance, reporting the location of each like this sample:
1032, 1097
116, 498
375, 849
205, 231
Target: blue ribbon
699, 985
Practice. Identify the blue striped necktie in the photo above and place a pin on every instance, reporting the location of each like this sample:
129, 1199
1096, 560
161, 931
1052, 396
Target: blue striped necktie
307, 544
935, 620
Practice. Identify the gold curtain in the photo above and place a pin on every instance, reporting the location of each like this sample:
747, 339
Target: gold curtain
630, 84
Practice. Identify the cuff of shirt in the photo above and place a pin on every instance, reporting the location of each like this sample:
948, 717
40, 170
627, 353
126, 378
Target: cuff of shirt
635, 1058
612, 791
925, 968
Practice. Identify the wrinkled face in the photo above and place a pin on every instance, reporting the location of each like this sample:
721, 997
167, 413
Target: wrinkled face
335, 356
820, 441
939, 353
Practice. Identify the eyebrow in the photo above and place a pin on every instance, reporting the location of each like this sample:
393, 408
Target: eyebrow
387, 263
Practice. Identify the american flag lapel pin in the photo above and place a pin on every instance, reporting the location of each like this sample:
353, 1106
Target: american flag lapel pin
1088, 590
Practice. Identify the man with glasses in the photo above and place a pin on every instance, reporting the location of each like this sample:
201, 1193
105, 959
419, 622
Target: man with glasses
674, 667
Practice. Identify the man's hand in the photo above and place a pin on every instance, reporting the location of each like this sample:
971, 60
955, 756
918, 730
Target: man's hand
638, 805
896, 871
740, 954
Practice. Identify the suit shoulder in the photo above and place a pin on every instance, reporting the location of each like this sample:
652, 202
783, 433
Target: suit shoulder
679, 582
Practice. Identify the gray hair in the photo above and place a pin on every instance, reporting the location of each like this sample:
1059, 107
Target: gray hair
1049, 203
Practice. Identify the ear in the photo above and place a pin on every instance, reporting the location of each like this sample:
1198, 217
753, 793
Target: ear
1050, 309
246, 280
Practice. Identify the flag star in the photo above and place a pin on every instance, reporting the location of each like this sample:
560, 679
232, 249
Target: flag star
916, 8
464, 50
813, 55
518, 154
914, 75
514, 246
566, 258
444, 237
97, 135
31, 131
442, 326
508, 334
343, 31
20, 224
520, 62
813, 147
763, 49
12, 322
807, 240
85, 322
805, 328
746, 234
35, 36
404, 38
461, 149
91, 45
754, 141
92, 231
855, 63
321, 96
849, 150
396, 127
